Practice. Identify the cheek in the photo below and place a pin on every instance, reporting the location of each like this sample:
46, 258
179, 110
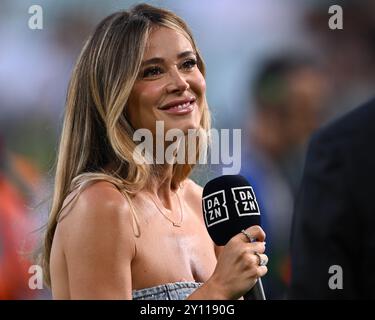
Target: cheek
200, 84
143, 98
152, 93
147, 95
199, 88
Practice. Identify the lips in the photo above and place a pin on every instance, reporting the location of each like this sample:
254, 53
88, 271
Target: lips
179, 104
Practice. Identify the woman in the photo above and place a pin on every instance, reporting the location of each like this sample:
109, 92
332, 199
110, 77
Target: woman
120, 228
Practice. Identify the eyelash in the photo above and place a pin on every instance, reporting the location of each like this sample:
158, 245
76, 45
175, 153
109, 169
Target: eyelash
151, 72
192, 62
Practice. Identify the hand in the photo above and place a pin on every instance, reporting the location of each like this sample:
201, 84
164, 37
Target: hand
238, 268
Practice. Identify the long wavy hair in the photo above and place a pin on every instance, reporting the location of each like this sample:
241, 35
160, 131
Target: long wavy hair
95, 130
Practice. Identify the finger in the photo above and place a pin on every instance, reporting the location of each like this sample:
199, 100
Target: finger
246, 237
261, 271
257, 246
254, 260
257, 259
262, 259
256, 232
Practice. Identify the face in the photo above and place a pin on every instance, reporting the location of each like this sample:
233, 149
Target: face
170, 87
307, 94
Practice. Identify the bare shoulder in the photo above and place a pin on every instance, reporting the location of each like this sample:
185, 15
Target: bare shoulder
98, 211
98, 191
193, 189
97, 242
193, 196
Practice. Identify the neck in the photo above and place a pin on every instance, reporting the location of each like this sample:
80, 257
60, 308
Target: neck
161, 186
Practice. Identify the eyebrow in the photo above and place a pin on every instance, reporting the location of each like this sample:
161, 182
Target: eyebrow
160, 60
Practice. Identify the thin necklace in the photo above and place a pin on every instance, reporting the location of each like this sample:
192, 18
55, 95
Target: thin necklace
175, 224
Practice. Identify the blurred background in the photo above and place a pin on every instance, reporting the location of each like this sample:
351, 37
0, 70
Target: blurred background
274, 69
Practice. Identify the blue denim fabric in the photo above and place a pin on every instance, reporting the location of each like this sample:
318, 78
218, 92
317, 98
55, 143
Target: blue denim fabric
168, 291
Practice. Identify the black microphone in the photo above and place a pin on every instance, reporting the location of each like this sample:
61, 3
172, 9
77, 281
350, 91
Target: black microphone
229, 206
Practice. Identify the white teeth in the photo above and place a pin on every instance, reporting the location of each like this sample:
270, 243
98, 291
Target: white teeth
183, 106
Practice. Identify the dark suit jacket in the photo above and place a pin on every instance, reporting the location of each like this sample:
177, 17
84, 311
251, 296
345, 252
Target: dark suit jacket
334, 217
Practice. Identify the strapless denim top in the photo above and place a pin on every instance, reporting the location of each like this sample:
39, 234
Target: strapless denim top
167, 291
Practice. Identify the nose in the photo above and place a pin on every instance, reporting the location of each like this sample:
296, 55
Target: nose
177, 82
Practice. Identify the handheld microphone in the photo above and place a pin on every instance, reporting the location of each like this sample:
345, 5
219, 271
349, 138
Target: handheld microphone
229, 206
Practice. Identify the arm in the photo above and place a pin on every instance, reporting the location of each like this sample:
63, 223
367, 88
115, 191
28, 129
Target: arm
98, 245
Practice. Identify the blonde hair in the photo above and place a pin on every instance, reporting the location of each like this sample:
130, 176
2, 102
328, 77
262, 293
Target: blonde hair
95, 130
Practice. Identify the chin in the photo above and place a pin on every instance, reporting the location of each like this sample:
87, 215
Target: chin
184, 127
183, 123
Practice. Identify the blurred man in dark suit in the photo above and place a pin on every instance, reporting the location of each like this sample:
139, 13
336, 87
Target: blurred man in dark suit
333, 237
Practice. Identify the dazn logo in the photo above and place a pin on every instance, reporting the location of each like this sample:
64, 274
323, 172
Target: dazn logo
245, 201
215, 208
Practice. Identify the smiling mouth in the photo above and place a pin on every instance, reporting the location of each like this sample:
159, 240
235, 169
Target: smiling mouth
179, 104
180, 109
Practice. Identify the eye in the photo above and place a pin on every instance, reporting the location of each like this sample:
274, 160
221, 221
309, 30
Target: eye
189, 64
152, 72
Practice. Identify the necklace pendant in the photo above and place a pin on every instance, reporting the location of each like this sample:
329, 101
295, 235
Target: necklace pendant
175, 224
